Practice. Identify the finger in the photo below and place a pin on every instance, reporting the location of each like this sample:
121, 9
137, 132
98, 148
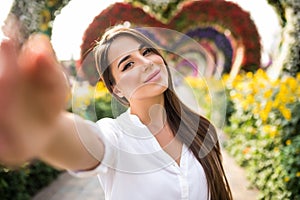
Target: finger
37, 53
8, 76
8, 57
43, 66
38, 60
43, 74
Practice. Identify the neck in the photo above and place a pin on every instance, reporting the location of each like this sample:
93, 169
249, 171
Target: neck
150, 111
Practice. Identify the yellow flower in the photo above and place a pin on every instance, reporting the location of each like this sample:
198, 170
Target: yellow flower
100, 90
268, 106
298, 77
276, 103
245, 105
263, 115
268, 94
195, 82
261, 78
249, 75
298, 174
283, 89
275, 83
286, 179
256, 109
236, 96
267, 128
250, 99
241, 86
270, 130
285, 112
292, 83
288, 142
260, 73
236, 83
225, 78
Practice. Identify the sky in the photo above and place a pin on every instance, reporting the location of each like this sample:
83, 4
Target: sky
69, 26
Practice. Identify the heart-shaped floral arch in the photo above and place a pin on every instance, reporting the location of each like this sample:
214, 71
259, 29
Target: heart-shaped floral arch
232, 23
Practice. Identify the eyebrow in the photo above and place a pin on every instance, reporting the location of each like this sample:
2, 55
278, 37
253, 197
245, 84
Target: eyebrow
123, 60
128, 56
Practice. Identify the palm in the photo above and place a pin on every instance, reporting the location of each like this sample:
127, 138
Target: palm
32, 91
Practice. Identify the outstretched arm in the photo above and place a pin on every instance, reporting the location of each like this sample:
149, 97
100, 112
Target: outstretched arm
33, 123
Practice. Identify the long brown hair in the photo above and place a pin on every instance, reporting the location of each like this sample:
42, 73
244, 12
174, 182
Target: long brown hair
191, 128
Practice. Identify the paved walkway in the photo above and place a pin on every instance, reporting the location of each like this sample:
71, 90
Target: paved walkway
68, 187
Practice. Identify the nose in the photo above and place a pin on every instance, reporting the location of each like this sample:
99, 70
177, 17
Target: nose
146, 63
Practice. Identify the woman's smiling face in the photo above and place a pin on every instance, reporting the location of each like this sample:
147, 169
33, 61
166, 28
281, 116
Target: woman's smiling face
138, 71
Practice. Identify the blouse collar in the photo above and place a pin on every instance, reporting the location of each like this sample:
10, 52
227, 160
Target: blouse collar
131, 125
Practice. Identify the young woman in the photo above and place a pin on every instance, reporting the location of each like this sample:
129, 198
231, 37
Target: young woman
157, 149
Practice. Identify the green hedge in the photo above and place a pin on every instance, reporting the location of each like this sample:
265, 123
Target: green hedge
263, 128
23, 183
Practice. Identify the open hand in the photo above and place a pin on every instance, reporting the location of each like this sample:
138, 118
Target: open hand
33, 92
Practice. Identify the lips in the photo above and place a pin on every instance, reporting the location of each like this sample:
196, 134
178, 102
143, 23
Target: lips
153, 76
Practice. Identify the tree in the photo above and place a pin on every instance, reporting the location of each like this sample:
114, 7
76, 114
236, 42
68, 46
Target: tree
36, 16
288, 58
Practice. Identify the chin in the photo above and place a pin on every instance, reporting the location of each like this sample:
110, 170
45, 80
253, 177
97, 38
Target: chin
149, 91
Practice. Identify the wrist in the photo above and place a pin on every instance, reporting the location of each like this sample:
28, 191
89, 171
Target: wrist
69, 148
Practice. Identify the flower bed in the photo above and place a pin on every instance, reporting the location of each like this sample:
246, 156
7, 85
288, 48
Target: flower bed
263, 129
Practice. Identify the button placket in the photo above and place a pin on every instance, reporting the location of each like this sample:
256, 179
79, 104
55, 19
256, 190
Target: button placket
184, 186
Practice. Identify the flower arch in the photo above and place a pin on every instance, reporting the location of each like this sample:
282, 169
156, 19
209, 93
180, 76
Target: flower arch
226, 18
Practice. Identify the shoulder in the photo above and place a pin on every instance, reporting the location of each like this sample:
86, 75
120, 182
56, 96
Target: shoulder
108, 125
111, 124
106, 121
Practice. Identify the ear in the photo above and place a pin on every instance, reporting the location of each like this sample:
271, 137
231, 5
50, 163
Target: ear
118, 92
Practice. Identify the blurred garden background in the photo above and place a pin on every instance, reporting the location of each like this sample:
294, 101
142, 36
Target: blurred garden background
250, 91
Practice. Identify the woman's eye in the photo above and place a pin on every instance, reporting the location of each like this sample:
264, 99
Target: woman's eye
126, 66
147, 51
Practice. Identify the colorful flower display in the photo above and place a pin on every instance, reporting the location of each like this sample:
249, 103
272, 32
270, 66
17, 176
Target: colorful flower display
225, 17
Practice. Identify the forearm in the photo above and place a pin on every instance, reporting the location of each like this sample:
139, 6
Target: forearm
75, 145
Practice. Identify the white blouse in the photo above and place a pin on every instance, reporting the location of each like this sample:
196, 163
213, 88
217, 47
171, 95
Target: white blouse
135, 167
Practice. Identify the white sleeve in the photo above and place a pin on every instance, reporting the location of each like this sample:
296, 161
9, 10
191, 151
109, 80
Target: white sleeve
106, 131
